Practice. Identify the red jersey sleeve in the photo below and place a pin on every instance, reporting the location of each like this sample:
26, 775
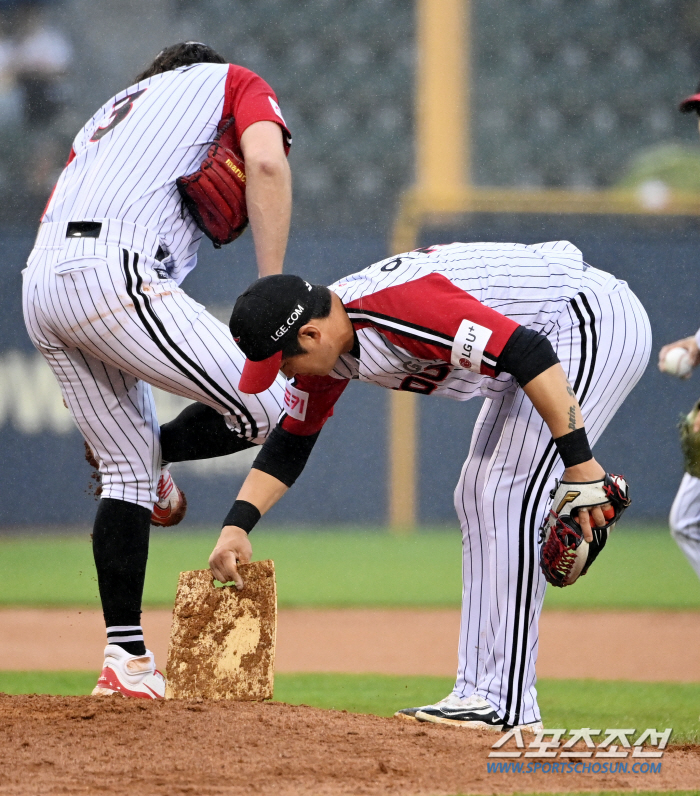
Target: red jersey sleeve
434, 319
249, 99
309, 402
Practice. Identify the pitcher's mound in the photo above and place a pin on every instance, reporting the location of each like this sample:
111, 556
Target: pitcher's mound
114, 745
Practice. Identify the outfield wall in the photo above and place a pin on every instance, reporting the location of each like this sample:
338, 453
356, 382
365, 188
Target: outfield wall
43, 479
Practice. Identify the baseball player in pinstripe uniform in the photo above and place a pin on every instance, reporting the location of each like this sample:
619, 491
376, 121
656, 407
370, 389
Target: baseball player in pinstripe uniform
548, 341
103, 304
684, 520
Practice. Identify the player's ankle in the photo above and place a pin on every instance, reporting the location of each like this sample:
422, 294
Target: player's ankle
132, 647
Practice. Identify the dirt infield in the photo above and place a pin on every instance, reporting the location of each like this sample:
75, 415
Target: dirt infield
83, 745
613, 645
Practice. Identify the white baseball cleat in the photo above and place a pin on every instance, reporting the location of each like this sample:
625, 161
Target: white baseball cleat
129, 675
451, 700
172, 503
474, 712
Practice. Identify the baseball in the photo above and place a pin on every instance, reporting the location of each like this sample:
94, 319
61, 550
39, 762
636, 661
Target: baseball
677, 362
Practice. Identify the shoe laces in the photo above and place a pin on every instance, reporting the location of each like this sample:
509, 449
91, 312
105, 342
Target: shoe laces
454, 701
475, 701
165, 485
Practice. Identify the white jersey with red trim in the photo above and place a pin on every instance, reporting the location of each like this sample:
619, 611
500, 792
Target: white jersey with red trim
125, 160
434, 321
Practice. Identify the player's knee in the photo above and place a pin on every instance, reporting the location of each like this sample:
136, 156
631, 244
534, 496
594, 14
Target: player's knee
673, 523
138, 494
466, 501
678, 517
457, 498
683, 528
267, 415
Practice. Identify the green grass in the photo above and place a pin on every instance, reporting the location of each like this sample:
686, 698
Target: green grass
639, 569
565, 703
322, 569
59, 683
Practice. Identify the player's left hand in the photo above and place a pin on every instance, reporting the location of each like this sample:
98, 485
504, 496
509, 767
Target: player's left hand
233, 548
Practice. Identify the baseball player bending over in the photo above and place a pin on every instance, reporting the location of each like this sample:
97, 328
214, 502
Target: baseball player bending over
195, 146
685, 511
543, 337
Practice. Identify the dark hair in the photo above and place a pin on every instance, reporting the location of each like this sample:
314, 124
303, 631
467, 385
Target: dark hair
182, 54
292, 348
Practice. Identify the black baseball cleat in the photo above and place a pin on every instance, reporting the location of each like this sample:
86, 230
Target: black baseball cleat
473, 712
410, 713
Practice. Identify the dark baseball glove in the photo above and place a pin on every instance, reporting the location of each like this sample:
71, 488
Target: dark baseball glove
215, 194
690, 442
565, 555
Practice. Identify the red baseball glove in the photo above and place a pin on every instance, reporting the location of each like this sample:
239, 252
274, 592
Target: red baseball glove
215, 194
565, 555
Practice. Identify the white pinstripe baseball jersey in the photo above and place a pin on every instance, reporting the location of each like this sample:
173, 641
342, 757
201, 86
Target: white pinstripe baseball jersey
125, 160
434, 321
103, 309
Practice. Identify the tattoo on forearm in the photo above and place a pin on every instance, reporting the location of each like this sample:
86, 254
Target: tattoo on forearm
570, 390
572, 418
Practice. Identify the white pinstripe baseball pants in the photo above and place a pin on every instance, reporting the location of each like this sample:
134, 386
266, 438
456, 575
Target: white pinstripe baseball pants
111, 325
685, 520
603, 340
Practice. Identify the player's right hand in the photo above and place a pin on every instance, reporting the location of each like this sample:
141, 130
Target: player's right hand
690, 346
233, 548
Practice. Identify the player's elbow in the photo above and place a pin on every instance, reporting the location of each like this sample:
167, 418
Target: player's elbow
267, 166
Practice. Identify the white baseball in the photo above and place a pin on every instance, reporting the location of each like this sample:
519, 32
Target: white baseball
677, 362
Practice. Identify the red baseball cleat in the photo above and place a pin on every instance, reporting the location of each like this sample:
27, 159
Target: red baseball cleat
129, 675
172, 503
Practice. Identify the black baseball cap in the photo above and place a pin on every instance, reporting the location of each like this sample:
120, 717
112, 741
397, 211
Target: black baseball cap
691, 103
265, 318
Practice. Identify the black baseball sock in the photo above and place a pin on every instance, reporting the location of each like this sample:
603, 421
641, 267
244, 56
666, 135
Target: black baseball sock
120, 547
199, 432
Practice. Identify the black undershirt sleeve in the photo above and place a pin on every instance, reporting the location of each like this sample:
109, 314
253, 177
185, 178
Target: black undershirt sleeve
526, 354
284, 455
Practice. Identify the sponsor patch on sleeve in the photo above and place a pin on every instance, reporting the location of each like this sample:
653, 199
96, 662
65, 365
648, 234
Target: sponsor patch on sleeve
296, 402
469, 345
276, 109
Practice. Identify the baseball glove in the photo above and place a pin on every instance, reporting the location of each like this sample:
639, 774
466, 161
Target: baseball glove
215, 194
690, 442
565, 555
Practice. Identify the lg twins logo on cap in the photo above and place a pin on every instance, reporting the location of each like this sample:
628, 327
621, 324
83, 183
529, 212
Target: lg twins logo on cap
285, 327
276, 109
469, 345
295, 402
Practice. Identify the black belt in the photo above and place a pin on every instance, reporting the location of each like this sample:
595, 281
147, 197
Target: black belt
92, 229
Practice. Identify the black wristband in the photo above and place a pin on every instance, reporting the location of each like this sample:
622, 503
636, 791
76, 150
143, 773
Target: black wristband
243, 515
574, 448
